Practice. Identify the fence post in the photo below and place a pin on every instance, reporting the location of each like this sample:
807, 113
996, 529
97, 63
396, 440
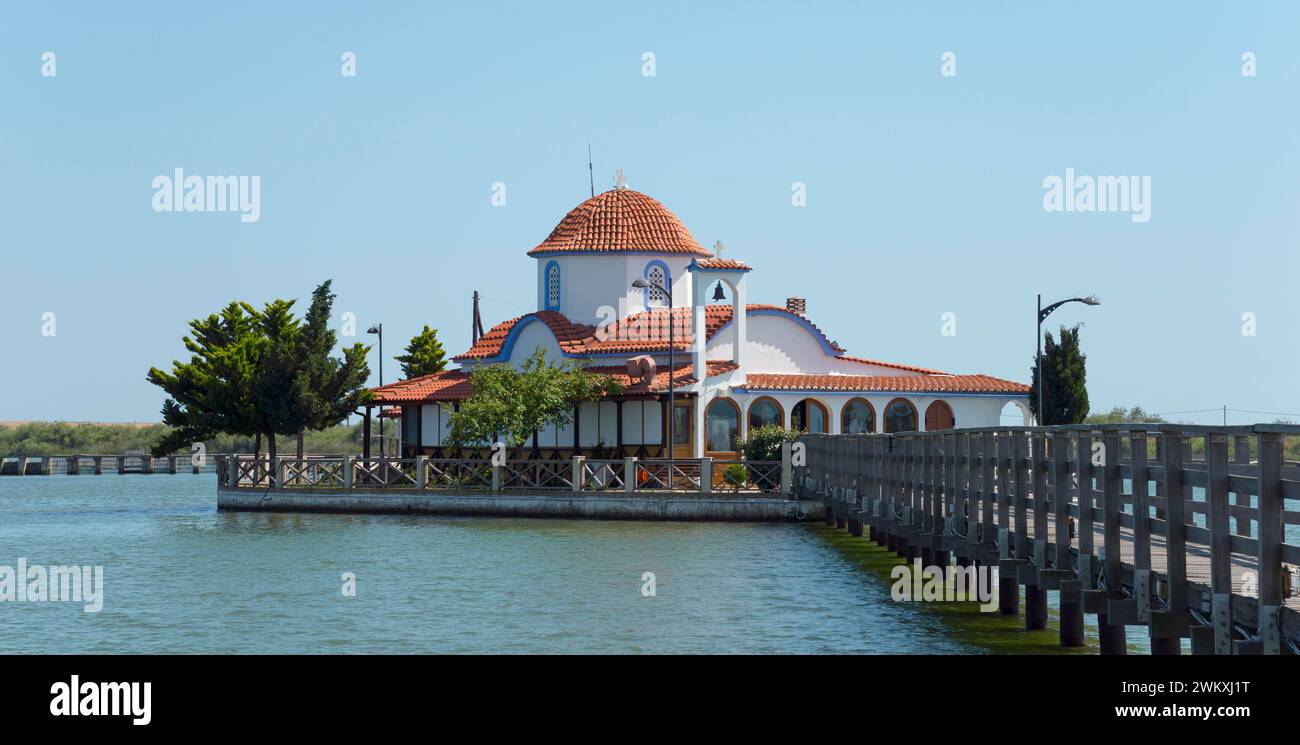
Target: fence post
629, 475
349, 475
706, 475
1169, 626
1270, 542
1216, 519
279, 471
421, 472
1112, 637
171, 464
577, 474
1035, 593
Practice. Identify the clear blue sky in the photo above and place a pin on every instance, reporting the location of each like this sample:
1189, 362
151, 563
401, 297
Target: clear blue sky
924, 192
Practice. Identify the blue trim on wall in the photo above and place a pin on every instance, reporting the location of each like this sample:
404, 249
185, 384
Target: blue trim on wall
645, 274
546, 286
808, 326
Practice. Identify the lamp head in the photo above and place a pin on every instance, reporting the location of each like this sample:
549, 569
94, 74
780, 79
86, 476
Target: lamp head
640, 284
1092, 300
378, 328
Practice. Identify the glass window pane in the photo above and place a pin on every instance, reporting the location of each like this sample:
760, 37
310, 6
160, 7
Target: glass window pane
681, 425
722, 426
763, 412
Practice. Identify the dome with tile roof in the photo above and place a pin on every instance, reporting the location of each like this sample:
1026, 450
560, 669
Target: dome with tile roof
620, 221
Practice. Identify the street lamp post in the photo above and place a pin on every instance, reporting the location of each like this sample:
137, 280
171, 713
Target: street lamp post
642, 284
378, 328
1038, 357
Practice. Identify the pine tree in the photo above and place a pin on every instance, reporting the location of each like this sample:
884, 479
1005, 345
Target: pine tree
261, 373
424, 355
1065, 392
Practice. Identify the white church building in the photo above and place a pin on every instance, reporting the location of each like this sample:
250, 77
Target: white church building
609, 278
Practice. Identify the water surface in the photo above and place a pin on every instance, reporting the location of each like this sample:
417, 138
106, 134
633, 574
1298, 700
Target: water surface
181, 577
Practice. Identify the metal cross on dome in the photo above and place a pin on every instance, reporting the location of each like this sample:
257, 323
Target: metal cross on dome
717, 249
619, 181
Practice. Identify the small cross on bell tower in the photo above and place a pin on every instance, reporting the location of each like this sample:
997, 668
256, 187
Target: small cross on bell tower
717, 249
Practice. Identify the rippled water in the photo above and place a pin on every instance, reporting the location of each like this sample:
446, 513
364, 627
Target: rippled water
181, 577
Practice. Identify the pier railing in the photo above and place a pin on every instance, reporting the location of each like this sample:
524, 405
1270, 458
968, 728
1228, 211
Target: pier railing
576, 475
1190, 531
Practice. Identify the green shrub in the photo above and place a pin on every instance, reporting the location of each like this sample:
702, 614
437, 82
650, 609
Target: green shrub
764, 443
735, 475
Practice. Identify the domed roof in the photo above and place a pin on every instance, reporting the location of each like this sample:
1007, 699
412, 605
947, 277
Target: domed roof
620, 221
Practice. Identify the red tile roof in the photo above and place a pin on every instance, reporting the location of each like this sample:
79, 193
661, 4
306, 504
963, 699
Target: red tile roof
620, 221
884, 383
454, 385
895, 365
716, 263
638, 333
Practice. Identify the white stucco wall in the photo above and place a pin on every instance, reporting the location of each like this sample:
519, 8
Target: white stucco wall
781, 344
589, 282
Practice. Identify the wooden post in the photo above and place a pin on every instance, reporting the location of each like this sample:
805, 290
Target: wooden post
1112, 637
1008, 586
1141, 487
1216, 461
1070, 590
1168, 626
349, 472
421, 471
171, 464
1087, 496
988, 443
1270, 542
99, 465
1035, 595
706, 475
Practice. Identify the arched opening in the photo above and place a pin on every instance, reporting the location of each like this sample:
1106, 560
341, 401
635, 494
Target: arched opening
900, 416
552, 286
938, 415
764, 411
858, 418
1016, 414
721, 426
809, 416
657, 274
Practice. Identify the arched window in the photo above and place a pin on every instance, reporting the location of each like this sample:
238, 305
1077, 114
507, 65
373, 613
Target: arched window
900, 416
721, 426
765, 411
808, 416
656, 273
552, 286
858, 418
938, 415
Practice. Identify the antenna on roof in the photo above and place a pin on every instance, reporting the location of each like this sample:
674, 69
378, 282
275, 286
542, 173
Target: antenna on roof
590, 173
478, 321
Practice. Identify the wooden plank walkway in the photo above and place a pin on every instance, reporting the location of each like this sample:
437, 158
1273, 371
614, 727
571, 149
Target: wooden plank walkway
1214, 563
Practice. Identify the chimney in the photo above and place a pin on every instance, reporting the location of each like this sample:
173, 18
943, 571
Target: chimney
796, 305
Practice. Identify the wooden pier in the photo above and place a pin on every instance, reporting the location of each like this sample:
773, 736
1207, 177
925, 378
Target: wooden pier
1106, 516
99, 464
